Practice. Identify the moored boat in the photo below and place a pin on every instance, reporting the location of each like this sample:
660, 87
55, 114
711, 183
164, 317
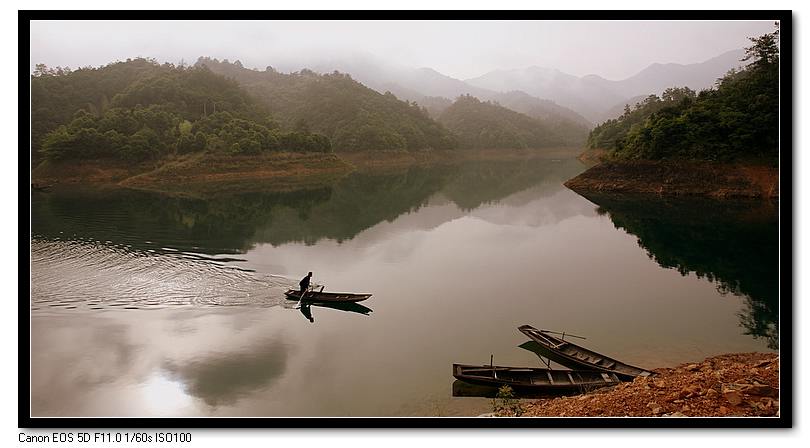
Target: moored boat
326, 297
534, 380
576, 357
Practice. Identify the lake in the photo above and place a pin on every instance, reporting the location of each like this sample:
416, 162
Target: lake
144, 304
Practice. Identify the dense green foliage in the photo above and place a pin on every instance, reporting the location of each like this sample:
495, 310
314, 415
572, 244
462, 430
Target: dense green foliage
570, 126
487, 125
612, 133
435, 105
353, 116
155, 110
739, 119
141, 110
57, 93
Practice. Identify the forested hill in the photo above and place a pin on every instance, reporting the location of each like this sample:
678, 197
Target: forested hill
566, 123
353, 116
488, 125
738, 119
612, 133
141, 110
58, 93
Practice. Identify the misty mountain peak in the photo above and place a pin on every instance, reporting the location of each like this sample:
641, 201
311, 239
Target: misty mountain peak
593, 96
430, 71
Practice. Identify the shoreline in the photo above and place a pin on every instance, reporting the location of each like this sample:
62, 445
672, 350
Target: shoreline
282, 171
679, 178
728, 385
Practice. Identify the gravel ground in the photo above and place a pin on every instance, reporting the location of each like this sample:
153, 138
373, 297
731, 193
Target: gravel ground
740, 384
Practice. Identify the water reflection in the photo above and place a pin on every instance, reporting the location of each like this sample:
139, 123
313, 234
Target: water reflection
547, 357
351, 307
223, 379
103, 276
462, 389
456, 257
162, 362
734, 244
234, 223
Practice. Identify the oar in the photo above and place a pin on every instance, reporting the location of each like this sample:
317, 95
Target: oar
564, 334
298, 305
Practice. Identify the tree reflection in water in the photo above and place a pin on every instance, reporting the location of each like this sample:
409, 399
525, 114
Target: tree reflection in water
732, 243
232, 223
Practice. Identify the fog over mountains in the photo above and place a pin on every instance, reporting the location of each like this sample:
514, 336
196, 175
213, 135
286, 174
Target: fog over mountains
585, 70
354, 104
535, 91
593, 96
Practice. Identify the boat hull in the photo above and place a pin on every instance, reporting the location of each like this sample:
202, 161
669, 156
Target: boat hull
534, 380
326, 297
577, 357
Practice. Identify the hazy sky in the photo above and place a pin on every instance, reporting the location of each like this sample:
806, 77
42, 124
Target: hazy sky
462, 49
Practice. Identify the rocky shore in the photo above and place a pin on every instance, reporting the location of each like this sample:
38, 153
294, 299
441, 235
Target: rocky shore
739, 385
674, 178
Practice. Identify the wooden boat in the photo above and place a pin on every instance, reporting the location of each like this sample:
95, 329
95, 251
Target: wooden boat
576, 357
326, 297
535, 380
40, 186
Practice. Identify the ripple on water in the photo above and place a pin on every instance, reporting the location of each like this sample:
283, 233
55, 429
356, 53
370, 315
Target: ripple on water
101, 275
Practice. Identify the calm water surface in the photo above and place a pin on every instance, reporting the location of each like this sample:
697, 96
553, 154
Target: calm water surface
150, 305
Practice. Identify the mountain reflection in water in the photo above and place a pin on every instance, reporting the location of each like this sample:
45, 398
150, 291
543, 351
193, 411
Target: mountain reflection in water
733, 243
233, 223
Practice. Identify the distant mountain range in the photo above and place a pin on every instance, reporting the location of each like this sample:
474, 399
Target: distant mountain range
593, 96
356, 117
587, 100
436, 91
369, 106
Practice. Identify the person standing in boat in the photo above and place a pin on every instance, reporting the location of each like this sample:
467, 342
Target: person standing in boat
304, 283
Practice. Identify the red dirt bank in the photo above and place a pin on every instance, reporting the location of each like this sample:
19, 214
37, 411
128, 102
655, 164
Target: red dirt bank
679, 178
740, 384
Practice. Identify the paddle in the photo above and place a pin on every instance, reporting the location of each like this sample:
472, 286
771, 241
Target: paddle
564, 334
298, 305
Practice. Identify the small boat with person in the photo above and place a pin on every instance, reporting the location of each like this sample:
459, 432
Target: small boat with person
534, 380
325, 297
576, 357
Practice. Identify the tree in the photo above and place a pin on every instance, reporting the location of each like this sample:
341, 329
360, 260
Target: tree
336, 106
765, 49
155, 109
677, 94
41, 70
738, 119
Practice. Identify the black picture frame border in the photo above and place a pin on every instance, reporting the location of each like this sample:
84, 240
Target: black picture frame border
786, 188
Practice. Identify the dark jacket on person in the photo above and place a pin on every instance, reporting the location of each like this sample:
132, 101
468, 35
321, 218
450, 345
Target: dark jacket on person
304, 283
